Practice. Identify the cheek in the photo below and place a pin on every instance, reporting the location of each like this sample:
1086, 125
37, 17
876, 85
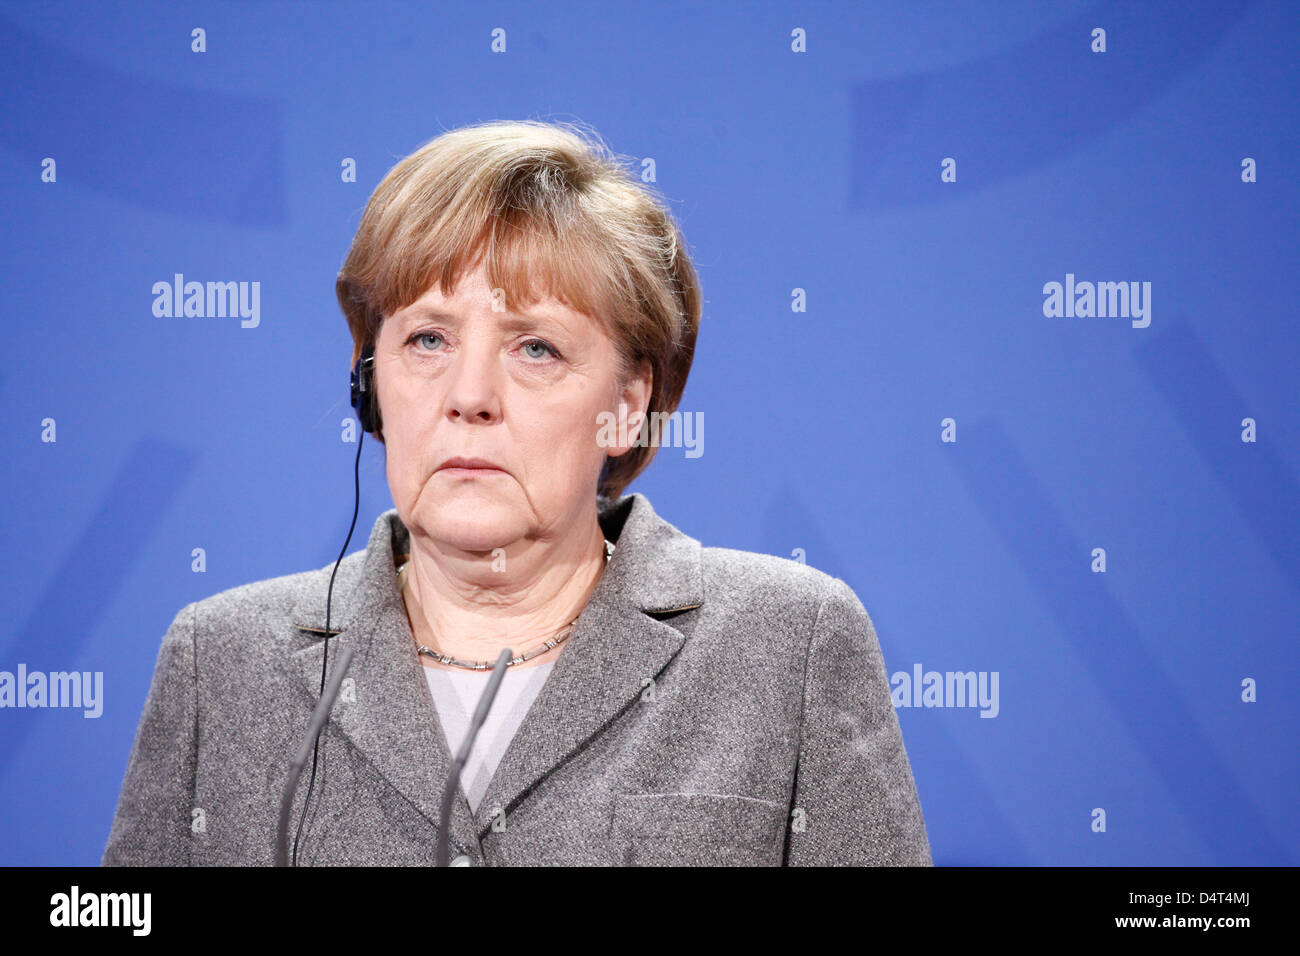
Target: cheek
546, 431
409, 439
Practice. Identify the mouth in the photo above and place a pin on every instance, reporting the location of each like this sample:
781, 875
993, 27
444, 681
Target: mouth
470, 467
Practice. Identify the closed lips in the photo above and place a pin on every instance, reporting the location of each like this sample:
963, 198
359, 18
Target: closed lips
469, 463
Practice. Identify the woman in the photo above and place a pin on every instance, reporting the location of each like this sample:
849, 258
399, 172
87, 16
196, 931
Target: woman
511, 290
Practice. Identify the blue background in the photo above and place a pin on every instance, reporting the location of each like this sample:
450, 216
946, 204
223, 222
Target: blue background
817, 171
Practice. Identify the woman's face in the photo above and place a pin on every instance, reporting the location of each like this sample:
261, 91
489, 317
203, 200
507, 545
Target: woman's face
519, 390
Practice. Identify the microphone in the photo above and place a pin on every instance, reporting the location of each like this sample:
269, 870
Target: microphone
453, 775
318, 718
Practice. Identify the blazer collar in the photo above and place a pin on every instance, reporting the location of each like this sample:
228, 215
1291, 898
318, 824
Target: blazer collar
618, 643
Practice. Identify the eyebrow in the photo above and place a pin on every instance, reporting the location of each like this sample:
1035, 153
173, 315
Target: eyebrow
510, 321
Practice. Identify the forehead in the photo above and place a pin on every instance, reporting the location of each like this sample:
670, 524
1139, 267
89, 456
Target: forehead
473, 301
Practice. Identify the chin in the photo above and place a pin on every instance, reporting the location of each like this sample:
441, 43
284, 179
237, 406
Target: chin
471, 521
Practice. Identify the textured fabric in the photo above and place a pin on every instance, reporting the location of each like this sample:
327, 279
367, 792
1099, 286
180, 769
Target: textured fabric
455, 697
711, 706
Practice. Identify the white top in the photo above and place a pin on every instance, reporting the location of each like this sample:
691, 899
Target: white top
456, 694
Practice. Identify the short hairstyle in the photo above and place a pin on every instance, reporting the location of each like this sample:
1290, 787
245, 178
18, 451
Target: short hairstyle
553, 212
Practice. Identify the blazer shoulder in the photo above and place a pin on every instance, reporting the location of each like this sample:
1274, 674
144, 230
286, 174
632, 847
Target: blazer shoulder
754, 578
272, 601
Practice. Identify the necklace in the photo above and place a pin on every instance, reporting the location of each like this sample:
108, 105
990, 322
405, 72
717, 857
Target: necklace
552, 642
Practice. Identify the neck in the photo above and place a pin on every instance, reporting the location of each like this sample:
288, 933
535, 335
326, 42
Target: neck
471, 607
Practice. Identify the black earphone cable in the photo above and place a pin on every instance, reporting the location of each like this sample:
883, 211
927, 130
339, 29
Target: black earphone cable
324, 667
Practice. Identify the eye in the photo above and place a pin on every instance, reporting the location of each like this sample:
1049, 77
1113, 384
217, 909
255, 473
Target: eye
545, 349
420, 336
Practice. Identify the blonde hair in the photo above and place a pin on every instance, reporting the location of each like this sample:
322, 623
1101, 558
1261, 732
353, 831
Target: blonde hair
552, 212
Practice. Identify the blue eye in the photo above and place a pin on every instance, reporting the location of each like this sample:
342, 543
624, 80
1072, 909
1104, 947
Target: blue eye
424, 335
547, 350
534, 344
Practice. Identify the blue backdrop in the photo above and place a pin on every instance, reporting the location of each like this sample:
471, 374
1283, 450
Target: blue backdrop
1097, 507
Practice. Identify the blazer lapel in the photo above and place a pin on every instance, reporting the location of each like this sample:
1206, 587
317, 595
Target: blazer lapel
392, 720
617, 645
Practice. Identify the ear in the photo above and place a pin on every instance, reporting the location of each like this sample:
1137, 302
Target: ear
631, 405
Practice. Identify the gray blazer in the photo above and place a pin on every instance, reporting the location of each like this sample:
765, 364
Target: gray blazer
711, 706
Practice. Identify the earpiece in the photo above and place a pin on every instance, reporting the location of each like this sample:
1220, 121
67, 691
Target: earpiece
363, 397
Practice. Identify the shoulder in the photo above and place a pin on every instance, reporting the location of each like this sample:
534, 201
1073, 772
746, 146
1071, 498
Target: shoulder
763, 591
260, 609
772, 586
267, 606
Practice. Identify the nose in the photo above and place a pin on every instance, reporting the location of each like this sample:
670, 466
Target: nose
474, 386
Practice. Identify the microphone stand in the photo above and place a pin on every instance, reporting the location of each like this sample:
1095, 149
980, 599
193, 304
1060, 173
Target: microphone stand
318, 718
453, 775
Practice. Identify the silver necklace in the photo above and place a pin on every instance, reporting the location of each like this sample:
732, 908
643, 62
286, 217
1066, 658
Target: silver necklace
549, 644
